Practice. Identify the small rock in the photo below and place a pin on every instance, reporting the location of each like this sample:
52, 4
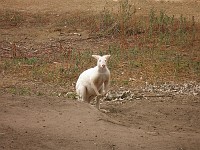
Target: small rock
125, 94
153, 133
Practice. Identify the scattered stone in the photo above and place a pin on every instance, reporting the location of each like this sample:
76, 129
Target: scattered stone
152, 90
148, 91
190, 88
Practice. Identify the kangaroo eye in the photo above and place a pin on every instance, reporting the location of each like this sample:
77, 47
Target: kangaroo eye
100, 60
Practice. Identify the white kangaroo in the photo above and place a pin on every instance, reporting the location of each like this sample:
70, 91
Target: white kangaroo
94, 82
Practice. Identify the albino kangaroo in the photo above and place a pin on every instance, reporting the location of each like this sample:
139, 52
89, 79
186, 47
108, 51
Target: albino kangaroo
94, 81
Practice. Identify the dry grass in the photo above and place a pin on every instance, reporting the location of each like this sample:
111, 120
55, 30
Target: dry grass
155, 48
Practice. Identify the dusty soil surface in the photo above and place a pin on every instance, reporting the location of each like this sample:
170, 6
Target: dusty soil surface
173, 7
49, 122
56, 123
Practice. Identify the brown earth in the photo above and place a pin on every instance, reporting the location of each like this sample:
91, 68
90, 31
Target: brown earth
173, 7
56, 123
49, 122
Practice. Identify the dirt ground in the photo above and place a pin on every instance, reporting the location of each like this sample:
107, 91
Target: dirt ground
56, 123
50, 122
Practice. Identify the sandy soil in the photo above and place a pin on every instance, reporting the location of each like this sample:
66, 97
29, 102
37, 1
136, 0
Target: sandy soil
56, 123
49, 122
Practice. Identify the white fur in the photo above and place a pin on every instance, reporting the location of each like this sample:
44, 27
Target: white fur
94, 81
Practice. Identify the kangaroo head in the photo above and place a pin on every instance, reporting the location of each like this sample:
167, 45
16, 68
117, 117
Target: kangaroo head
101, 60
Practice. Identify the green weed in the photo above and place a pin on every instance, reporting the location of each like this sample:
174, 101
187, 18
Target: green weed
19, 90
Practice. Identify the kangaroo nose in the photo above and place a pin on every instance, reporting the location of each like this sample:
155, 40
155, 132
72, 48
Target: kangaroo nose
103, 66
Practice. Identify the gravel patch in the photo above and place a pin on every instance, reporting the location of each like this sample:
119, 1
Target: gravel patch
152, 90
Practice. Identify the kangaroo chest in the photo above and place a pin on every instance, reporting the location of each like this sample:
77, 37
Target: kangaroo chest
100, 80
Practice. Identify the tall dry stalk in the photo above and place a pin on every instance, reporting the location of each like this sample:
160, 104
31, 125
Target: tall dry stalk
126, 12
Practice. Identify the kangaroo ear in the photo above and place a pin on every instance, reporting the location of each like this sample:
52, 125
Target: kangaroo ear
96, 56
107, 56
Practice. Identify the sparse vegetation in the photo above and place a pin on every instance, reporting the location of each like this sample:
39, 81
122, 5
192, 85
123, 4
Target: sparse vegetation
154, 48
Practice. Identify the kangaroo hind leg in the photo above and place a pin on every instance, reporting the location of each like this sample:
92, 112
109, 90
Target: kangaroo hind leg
82, 92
